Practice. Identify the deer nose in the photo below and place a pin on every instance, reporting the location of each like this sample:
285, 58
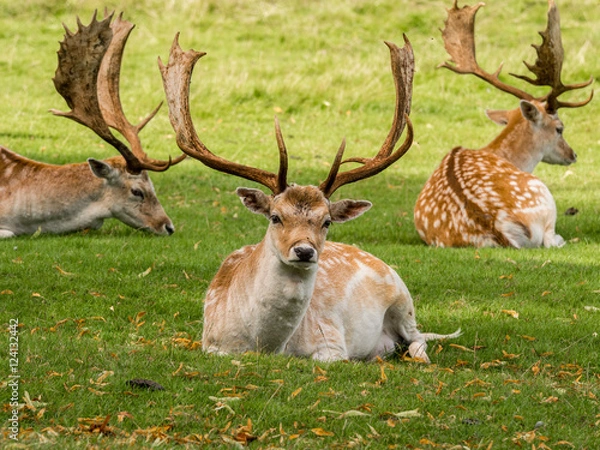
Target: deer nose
304, 253
169, 228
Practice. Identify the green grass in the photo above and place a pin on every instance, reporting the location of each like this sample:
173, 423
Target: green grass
100, 308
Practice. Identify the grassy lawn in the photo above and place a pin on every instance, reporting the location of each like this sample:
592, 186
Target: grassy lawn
98, 309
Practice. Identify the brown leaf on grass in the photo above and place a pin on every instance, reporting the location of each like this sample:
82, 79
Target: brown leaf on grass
72, 388
536, 368
244, 434
408, 414
295, 394
382, 376
511, 312
137, 320
461, 347
346, 414
32, 403
494, 363
510, 355
187, 343
97, 392
527, 338
321, 432
178, 369
63, 272
124, 414
145, 272
97, 425
58, 324
477, 382
103, 376
318, 370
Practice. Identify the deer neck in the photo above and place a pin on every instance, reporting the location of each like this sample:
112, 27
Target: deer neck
517, 144
279, 297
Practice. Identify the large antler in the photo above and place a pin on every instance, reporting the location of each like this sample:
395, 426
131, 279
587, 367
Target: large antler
403, 68
176, 80
459, 41
177, 75
87, 77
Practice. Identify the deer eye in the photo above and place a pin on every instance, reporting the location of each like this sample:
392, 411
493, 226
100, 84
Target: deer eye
275, 219
327, 223
559, 130
137, 193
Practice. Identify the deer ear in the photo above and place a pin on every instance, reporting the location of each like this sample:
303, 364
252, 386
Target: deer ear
101, 169
345, 210
255, 200
530, 112
498, 116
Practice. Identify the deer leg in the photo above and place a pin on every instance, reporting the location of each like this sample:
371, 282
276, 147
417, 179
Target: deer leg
330, 345
6, 234
400, 321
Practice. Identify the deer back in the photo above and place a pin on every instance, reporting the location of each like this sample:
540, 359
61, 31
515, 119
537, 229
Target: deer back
476, 198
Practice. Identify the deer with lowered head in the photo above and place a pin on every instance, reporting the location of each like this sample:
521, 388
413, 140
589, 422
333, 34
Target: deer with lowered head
293, 292
488, 197
35, 196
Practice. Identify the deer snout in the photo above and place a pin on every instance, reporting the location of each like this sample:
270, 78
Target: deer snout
562, 155
304, 253
165, 228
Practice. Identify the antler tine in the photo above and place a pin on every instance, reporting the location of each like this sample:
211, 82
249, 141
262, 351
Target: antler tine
176, 81
459, 41
548, 66
110, 102
403, 65
73, 76
87, 77
283, 159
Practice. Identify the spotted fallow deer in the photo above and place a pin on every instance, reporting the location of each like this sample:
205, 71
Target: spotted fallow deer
35, 196
293, 292
488, 197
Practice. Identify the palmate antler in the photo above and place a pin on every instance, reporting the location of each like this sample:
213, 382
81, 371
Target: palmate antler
459, 40
87, 77
176, 81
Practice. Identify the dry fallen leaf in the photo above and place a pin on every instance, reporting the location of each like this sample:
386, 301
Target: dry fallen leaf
145, 272
63, 272
408, 413
511, 312
321, 432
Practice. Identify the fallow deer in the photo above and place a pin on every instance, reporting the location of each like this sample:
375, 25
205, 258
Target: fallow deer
488, 197
295, 293
35, 196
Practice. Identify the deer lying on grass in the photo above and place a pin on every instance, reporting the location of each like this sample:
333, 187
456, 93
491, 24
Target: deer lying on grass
56, 199
488, 197
294, 292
